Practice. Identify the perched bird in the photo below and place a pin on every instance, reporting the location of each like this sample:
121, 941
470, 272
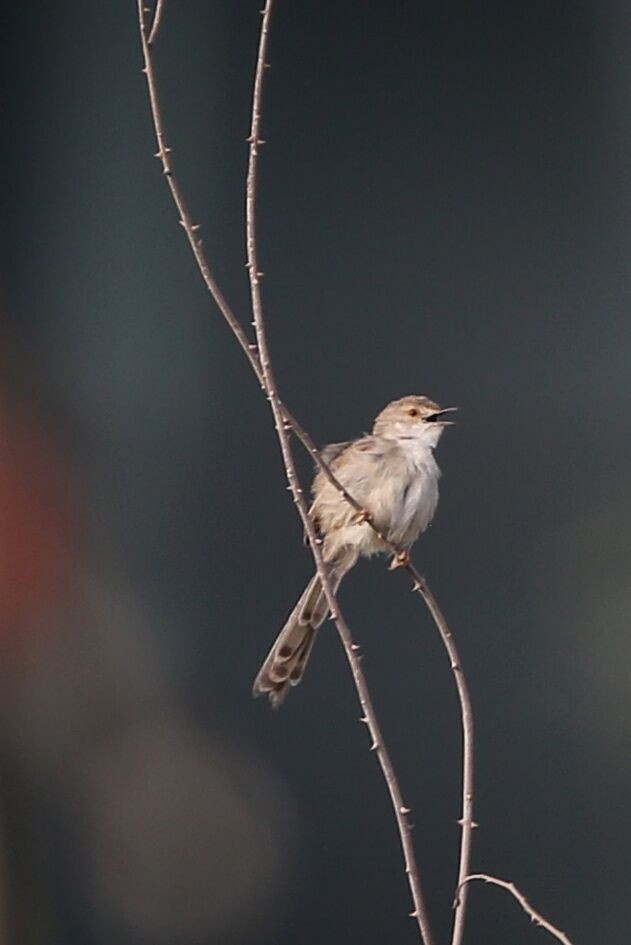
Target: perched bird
393, 475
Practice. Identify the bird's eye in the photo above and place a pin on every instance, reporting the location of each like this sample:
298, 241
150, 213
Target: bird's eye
413, 412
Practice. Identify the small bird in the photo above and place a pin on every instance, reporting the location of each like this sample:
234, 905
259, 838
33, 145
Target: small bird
393, 475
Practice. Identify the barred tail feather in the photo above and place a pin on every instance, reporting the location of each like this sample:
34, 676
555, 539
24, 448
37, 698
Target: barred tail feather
285, 663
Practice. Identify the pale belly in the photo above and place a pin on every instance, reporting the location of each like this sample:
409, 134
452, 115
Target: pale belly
401, 507
414, 508
397, 484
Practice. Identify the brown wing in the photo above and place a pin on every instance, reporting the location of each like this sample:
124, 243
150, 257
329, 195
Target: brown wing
331, 452
367, 447
329, 455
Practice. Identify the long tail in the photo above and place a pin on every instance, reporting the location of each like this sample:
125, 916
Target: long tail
285, 663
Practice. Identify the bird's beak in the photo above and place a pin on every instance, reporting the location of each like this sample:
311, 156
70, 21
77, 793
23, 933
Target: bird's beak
438, 417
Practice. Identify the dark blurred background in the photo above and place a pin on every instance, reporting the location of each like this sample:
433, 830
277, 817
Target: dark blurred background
445, 209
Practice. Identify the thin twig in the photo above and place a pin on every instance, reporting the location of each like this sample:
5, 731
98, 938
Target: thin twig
186, 222
251, 352
157, 19
352, 655
466, 821
191, 231
535, 916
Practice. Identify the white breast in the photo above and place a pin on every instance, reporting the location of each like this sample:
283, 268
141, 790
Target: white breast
396, 481
419, 497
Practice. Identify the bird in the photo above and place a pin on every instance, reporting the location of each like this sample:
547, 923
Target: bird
393, 475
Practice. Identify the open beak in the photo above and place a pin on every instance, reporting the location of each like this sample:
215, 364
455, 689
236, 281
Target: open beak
439, 417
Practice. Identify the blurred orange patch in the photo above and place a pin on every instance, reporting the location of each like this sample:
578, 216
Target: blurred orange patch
35, 527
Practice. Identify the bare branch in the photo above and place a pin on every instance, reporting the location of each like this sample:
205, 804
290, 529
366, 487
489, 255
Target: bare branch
535, 916
191, 230
466, 821
400, 810
157, 19
420, 586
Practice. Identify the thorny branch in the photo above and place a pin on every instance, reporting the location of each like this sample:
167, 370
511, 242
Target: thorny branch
250, 350
400, 811
535, 916
258, 358
466, 822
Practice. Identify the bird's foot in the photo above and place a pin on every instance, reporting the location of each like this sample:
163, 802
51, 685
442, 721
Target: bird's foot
400, 560
360, 517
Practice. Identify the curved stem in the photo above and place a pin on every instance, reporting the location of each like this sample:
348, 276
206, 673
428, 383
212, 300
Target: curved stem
535, 916
466, 821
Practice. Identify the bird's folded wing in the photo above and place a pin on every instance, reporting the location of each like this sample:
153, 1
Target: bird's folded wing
329, 453
353, 464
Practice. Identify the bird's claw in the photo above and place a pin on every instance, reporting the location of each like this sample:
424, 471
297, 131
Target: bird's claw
400, 560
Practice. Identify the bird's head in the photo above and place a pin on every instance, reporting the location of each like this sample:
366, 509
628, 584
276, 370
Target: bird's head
413, 417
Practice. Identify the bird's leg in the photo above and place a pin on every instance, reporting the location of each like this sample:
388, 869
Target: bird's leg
400, 560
